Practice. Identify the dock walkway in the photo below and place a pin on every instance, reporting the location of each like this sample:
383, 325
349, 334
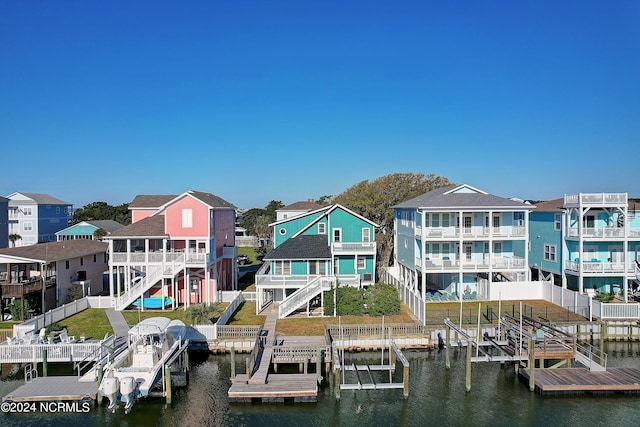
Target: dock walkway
582, 380
49, 389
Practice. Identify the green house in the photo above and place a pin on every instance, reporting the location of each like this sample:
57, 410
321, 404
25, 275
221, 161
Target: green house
312, 252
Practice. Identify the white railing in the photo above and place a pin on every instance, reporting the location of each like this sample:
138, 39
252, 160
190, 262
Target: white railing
152, 257
595, 199
407, 296
498, 263
59, 352
100, 301
51, 316
615, 311
603, 232
349, 247
303, 295
231, 308
139, 288
597, 267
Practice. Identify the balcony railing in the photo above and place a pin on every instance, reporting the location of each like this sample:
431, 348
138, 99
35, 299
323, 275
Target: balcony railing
496, 263
504, 231
595, 199
354, 247
18, 290
598, 267
158, 257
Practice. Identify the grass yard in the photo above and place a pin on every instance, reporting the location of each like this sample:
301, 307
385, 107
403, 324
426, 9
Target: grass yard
246, 315
91, 323
133, 317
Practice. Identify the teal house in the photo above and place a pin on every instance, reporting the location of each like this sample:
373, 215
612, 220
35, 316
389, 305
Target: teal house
587, 242
312, 252
87, 229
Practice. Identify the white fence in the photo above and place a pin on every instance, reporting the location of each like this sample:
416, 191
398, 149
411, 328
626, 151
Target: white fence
408, 297
51, 316
59, 352
101, 302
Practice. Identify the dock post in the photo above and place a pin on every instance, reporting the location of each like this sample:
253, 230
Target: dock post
468, 376
306, 364
405, 382
336, 382
532, 365
167, 379
99, 396
319, 364
44, 362
233, 362
447, 361
186, 359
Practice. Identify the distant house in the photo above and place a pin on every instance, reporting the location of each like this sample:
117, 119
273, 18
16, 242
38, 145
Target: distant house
67, 263
459, 239
4, 222
37, 217
180, 247
312, 252
86, 229
295, 209
587, 242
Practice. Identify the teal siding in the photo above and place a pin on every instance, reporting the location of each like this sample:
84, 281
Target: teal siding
541, 233
291, 227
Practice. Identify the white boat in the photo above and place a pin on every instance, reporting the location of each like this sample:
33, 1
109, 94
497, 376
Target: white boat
137, 370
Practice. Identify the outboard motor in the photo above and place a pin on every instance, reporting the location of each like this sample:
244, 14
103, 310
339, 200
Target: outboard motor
111, 390
128, 389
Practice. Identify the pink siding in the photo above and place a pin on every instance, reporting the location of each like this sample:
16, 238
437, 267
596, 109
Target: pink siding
225, 229
139, 214
200, 212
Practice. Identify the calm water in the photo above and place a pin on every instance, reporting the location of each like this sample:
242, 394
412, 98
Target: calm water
437, 397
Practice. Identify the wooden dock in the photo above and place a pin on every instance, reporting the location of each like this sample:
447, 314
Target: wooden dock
280, 387
51, 389
582, 380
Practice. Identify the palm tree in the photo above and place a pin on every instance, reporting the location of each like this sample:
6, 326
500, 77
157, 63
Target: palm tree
99, 233
202, 314
13, 237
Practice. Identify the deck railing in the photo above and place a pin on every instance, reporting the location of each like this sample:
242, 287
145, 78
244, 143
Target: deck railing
58, 352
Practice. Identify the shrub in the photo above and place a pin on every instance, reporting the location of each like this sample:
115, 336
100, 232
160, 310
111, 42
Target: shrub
349, 301
382, 299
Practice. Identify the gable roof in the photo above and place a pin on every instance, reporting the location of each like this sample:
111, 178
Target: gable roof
108, 224
211, 200
308, 205
302, 247
327, 210
56, 251
554, 205
460, 196
150, 201
151, 226
42, 199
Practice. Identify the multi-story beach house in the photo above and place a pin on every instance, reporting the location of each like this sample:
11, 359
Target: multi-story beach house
588, 242
312, 252
56, 266
180, 247
37, 217
295, 209
455, 241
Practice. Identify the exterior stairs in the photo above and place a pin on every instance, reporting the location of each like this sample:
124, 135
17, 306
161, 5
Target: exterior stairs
303, 295
141, 284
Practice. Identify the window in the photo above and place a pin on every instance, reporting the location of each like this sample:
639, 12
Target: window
518, 217
66, 265
322, 228
337, 234
445, 249
27, 226
361, 262
27, 211
435, 250
58, 210
95, 258
496, 221
445, 220
282, 267
366, 234
550, 253
497, 247
187, 218
81, 261
557, 218
589, 221
317, 268
435, 220
282, 231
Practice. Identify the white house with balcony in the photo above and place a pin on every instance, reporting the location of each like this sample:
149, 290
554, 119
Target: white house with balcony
455, 241
314, 251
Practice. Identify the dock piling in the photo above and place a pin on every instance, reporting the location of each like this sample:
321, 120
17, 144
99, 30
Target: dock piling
44, 362
233, 362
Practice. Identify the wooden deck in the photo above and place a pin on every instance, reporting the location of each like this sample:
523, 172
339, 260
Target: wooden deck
298, 387
582, 380
50, 389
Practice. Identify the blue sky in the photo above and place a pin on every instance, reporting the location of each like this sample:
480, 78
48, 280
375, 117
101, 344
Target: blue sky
289, 100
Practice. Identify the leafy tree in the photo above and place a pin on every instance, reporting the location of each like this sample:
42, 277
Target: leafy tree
13, 237
256, 221
375, 200
101, 210
74, 293
324, 200
382, 299
202, 314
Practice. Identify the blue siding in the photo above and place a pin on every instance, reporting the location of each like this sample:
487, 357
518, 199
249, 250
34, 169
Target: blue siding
51, 219
541, 233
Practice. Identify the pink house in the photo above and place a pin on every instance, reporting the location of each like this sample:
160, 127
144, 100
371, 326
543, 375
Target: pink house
180, 249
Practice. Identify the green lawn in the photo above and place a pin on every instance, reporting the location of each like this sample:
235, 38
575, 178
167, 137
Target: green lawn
91, 323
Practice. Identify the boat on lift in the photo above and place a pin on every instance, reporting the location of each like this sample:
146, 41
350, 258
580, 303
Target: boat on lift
138, 369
